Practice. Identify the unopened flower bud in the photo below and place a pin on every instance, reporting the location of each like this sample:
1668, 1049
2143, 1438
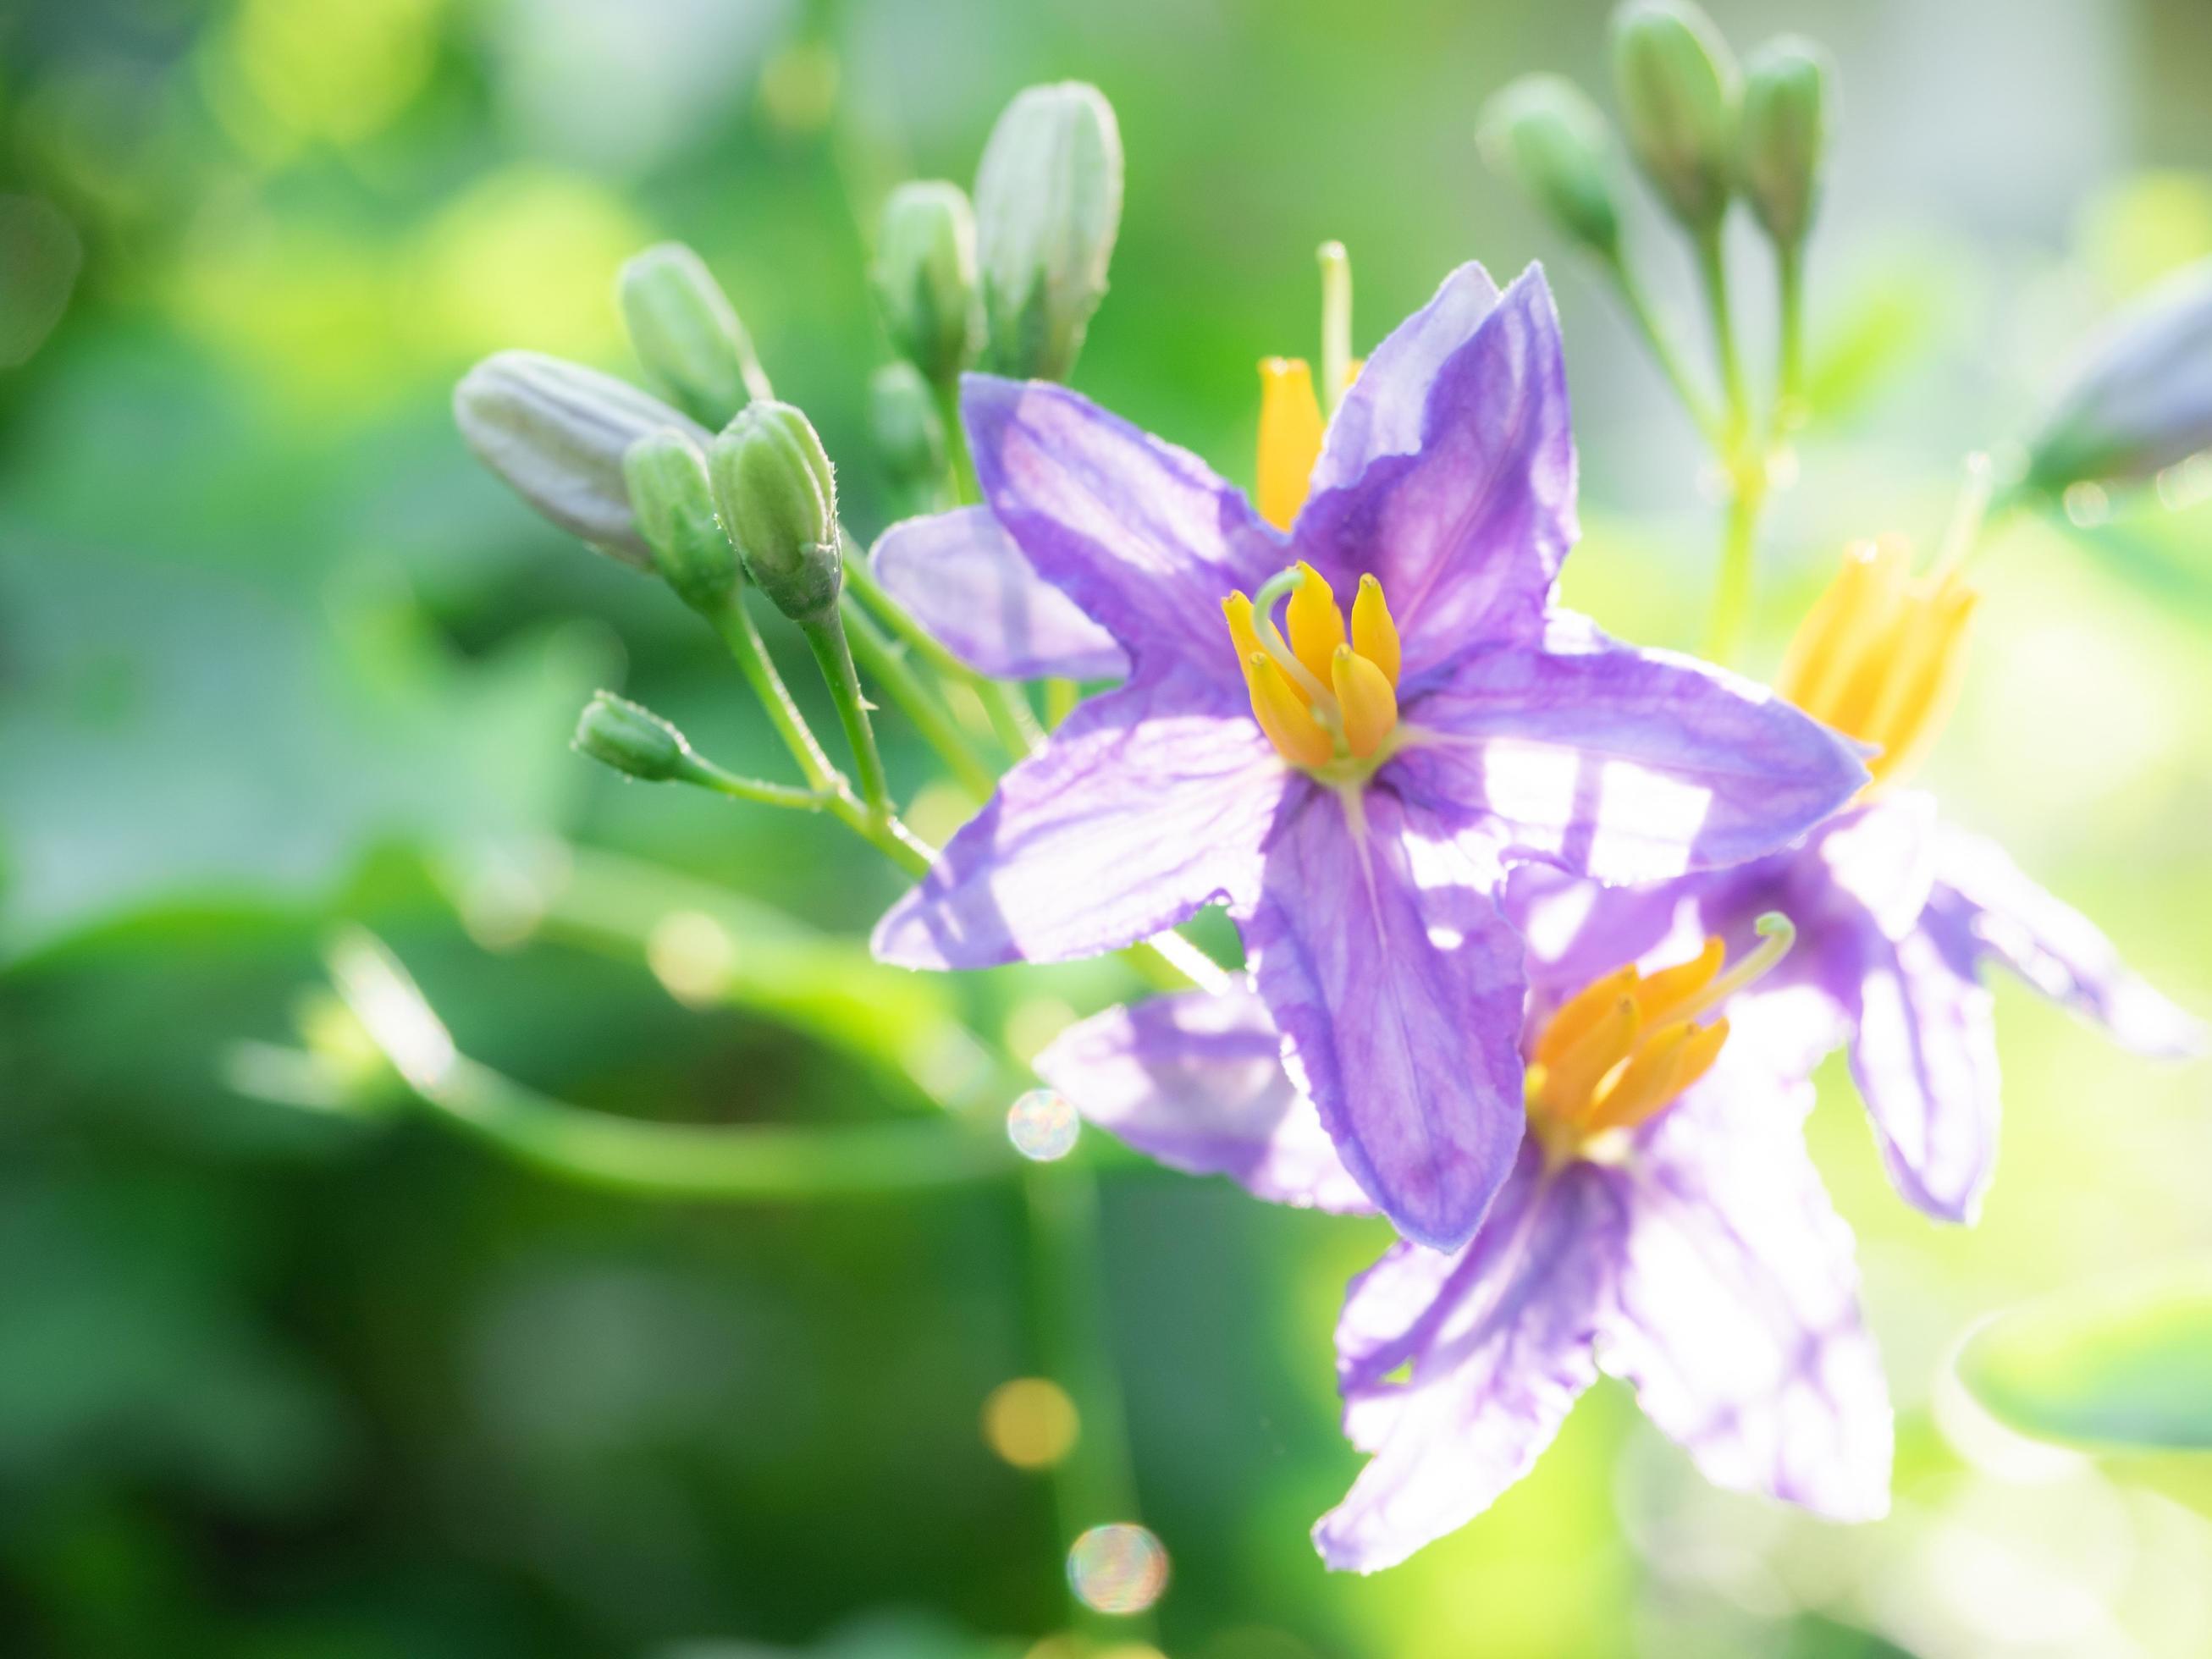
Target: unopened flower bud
778, 498
1545, 135
2139, 399
1048, 206
1783, 135
630, 738
925, 277
1678, 88
675, 506
687, 334
902, 418
557, 433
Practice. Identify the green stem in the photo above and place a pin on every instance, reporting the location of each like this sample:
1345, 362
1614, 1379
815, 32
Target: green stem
1739, 546
1662, 348
707, 776
1011, 717
1790, 402
1712, 268
1095, 1483
960, 467
825, 634
735, 624
891, 672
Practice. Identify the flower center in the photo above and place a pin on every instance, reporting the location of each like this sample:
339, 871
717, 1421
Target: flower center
1879, 656
1325, 701
1620, 1050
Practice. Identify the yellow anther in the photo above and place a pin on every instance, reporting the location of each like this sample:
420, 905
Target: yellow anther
1314, 622
1366, 695
1659, 994
1373, 634
1290, 439
1880, 654
1581, 1010
1571, 1082
1283, 713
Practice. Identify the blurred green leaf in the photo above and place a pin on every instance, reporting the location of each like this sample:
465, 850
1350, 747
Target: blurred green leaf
2127, 1364
38, 258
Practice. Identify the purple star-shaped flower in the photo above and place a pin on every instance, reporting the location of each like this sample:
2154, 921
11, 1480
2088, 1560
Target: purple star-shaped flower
1368, 903
1697, 1259
1897, 912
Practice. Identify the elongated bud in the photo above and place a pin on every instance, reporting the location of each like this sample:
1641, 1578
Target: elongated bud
687, 334
925, 277
675, 506
1783, 134
630, 738
557, 433
2140, 398
1677, 87
1047, 206
1546, 136
902, 418
778, 498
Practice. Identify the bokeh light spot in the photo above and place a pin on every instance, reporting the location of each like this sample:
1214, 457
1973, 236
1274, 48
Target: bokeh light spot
1118, 1568
693, 956
1031, 1422
1042, 1126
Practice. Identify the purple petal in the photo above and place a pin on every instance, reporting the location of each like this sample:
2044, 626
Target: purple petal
1925, 1060
1736, 1317
1622, 765
1397, 986
1148, 804
967, 581
1465, 514
1197, 1082
1883, 857
1141, 535
2053, 946
1497, 1338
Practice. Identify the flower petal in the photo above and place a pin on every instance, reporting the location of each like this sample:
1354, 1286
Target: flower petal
1496, 1338
967, 581
1141, 535
1197, 1082
1397, 986
1149, 803
1736, 1317
1465, 509
1925, 1056
2054, 947
1623, 764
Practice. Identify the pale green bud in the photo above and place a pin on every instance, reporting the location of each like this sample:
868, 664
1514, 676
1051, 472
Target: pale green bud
1048, 206
557, 433
902, 418
630, 738
925, 277
777, 495
1679, 90
687, 334
1783, 134
675, 506
1543, 133
2140, 398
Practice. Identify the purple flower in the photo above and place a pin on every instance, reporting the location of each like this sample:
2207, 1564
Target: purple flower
1460, 725
1897, 912
1662, 1224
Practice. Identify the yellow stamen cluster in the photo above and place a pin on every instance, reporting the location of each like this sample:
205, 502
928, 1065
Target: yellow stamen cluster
1320, 696
1620, 1050
1880, 654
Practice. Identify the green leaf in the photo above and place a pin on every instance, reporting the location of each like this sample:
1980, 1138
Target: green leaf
2127, 1364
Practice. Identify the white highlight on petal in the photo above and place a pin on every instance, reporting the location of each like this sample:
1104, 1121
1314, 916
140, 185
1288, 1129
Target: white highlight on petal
1646, 822
1532, 784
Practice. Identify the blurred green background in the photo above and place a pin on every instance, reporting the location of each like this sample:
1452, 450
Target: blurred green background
273, 653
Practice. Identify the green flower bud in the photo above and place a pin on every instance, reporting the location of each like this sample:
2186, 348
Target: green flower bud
557, 433
1546, 136
2139, 399
902, 418
632, 740
1677, 87
925, 277
675, 506
687, 334
1783, 133
778, 498
1048, 204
